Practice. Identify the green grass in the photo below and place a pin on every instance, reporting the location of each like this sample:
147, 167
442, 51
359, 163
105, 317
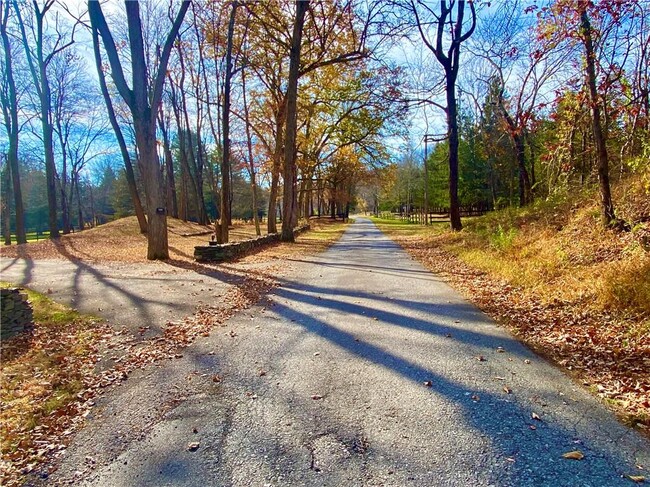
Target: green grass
31, 237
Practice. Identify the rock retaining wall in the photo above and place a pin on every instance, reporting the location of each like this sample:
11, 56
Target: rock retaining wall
228, 251
15, 313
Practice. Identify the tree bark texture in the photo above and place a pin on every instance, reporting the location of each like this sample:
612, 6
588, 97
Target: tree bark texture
225, 157
143, 101
10, 110
608, 216
290, 197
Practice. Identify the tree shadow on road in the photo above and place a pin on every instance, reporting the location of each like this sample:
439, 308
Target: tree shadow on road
503, 419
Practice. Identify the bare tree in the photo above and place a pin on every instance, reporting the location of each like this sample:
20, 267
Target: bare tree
9, 102
600, 137
143, 100
251, 161
124, 151
448, 25
222, 236
38, 61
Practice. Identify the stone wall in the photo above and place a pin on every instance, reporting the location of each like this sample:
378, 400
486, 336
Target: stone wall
15, 313
232, 250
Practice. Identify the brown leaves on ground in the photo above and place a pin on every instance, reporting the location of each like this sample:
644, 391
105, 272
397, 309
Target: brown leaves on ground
43, 387
34, 390
573, 455
121, 241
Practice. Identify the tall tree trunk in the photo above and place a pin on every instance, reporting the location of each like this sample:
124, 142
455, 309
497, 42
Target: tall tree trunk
525, 196
194, 174
11, 124
290, 200
5, 205
93, 220
80, 215
65, 209
170, 183
452, 124
531, 150
608, 216
277, 167
200, 164
157, 240
449, 59
251, 161
50, 167
525, 188
225, 160
42, 85
143, 100
126, 158
307, 198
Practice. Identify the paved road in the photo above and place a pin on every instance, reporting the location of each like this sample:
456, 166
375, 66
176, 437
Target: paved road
126, 295
324, 384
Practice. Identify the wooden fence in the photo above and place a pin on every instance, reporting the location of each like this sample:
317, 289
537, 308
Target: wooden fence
438, 214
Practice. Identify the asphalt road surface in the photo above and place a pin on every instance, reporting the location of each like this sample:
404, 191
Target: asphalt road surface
363, 369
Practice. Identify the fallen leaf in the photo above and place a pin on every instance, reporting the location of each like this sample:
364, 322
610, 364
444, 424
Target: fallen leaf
316, 397
573, 455
216, 378
535, 416
262, 373
636, 478
507, 390
193, 445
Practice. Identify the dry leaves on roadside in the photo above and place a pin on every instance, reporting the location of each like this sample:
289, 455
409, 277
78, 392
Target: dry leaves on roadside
595, 346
